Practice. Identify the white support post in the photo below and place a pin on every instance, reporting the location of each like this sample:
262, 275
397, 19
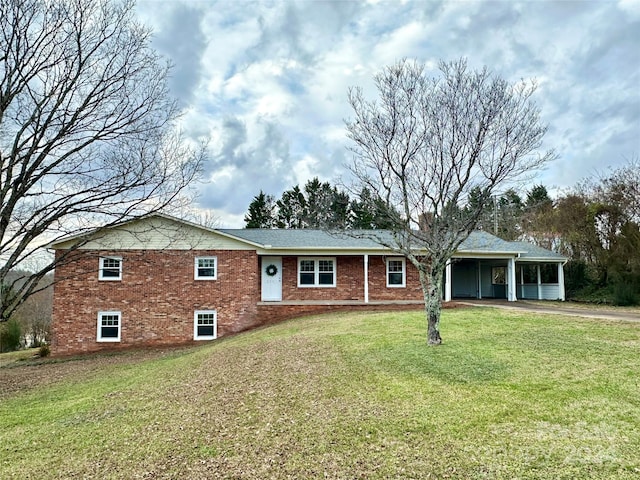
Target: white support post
561, 281
447, 283
539, 283
366, 278
511, 280
479, 280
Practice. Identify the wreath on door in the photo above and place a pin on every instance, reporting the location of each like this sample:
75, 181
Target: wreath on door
271, 270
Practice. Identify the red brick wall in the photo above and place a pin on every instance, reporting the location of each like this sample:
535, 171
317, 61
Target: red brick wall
350, 281
378, 289
157, 297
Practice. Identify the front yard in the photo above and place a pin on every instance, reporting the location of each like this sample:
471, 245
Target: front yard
508, 395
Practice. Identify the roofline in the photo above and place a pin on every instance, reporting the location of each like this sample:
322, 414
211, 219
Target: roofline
281, 251
543, 259
265, 249
492, 252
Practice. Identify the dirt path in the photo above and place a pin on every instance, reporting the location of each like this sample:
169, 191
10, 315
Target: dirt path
556, 308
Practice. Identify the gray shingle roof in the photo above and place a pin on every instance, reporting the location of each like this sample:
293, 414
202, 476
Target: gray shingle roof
297, 239
305, 238
531, 251
484, 242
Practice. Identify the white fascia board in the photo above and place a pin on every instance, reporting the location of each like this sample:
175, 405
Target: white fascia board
490, 252
487, 255
322, 251
542, 259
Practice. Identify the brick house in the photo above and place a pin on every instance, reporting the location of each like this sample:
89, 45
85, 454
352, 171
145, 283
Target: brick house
165, 281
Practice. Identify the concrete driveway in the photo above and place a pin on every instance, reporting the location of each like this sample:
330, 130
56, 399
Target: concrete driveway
561, 308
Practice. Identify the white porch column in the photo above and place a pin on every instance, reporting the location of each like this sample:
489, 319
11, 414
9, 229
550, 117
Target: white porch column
539, 282
561, 281
479, 280
511, 280
447, 282
366, 278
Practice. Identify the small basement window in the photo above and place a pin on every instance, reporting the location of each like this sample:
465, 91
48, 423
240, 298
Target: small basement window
205, 325
110, 268
206, 268
109, 326
396, 272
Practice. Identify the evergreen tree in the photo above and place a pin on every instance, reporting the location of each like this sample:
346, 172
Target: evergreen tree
327, 207
261, 212
319, 198
510, 210
340, 211
292, 209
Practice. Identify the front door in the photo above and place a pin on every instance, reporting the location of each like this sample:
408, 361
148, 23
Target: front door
271, 279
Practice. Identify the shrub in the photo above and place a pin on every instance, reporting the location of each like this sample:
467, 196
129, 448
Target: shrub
44, 350
10, 336
626, 294
576, 277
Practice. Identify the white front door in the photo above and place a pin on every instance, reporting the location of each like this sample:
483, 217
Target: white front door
271, 279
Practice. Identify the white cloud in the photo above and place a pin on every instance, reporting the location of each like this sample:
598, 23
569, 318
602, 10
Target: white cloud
631, 7
267, 81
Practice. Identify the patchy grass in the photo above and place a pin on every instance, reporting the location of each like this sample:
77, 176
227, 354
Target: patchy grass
17, 356
509, 395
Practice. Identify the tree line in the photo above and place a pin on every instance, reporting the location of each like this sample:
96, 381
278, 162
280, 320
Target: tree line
317, 205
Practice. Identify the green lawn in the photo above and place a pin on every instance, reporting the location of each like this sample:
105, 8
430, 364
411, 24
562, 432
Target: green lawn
507, 396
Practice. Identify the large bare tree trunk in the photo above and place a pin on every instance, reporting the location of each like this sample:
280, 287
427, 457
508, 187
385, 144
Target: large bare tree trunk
431, 286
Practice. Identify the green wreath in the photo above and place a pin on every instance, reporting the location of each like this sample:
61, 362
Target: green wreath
271, 270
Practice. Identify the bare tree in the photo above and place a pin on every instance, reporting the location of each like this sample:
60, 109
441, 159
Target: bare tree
427, 143
87, 132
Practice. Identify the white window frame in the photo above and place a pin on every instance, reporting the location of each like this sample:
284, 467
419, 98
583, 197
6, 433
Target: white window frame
195, 324
404, 272
99, 336
103, 268
316, 272
196, 267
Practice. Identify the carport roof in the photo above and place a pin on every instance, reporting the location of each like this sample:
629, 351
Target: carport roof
529, 251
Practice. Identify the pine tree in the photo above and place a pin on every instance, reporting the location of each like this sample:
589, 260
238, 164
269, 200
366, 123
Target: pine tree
261, 212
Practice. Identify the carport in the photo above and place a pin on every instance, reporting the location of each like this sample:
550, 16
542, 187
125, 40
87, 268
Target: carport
486, 266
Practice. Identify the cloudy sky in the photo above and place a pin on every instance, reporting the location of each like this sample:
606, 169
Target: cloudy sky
266, 81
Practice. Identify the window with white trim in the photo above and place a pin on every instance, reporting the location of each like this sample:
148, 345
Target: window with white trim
109, 326
206, 268
205, 325
498, 275
396, 277
110, 268
317, 272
